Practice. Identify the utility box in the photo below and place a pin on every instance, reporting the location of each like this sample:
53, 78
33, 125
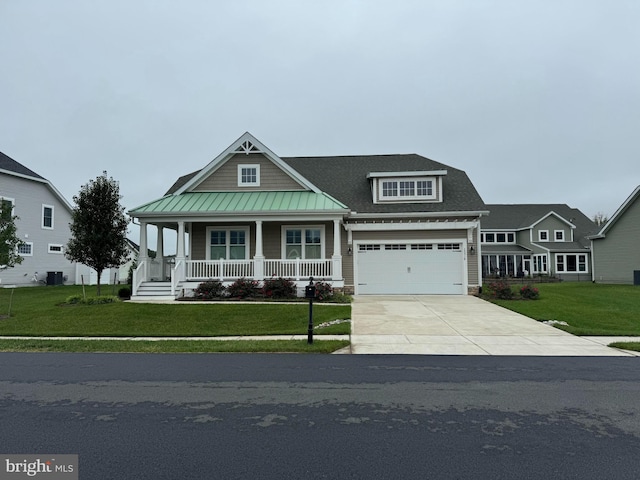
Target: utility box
636, 277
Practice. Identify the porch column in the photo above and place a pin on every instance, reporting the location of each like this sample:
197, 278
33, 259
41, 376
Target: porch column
180, 253
258, 259
143, 255
336, 258
160, 253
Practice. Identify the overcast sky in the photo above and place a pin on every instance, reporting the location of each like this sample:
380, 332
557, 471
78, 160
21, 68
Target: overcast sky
538, 101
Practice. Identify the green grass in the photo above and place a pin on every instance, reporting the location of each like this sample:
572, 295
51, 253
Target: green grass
37, 311
173, 346
589, 309
635, 346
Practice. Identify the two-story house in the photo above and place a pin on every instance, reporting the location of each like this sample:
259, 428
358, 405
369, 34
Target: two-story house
43, 226
536, 239
370, 224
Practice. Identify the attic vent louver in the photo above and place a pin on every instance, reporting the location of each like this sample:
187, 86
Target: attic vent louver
247, 147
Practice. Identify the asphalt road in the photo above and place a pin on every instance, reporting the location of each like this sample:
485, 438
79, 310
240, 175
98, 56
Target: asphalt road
224, 416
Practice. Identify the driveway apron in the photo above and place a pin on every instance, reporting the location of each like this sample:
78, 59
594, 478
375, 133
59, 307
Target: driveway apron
457, 325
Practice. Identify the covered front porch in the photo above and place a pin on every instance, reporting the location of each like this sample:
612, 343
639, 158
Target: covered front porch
256, 243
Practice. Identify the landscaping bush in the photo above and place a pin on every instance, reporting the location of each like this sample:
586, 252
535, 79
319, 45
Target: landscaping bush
124, 293
80, 300
243, 288
209, 290
279, 288
324, 291
500, 290
529, 293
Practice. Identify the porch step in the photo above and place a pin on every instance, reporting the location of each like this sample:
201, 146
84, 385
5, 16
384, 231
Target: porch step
154, 289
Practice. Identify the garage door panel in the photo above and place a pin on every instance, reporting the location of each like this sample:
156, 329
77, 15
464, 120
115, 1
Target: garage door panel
410, 271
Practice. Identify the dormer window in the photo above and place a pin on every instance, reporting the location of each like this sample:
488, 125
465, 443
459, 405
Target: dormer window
407, 187
248, 175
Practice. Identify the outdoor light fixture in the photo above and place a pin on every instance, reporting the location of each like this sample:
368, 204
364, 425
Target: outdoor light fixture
472, 250
349, 251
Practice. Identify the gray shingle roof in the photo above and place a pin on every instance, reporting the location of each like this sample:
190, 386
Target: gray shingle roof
345, 178
9, 164
522, 216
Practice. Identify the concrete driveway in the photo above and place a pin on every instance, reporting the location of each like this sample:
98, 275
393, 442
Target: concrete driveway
457, 325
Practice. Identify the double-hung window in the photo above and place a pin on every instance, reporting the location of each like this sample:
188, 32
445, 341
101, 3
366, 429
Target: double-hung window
303, 243
47, 216
571, 263
228, 243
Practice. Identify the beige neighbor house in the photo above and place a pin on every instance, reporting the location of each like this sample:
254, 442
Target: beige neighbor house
616, 247
371, 224
519, 240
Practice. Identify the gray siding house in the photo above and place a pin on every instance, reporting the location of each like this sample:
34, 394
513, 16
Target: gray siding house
616, 247
43, 225
536, 239
368, 224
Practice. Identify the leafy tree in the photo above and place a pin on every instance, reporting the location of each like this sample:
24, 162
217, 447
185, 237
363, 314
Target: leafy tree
9, 241
98, 226
600, 219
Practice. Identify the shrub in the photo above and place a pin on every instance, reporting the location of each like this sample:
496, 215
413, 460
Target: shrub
209, 289
279, 288
124, 292
243, 288
324, 291
500, 290
530, 293
80, 300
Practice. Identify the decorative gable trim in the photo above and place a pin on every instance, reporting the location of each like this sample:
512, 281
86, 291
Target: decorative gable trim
246, 144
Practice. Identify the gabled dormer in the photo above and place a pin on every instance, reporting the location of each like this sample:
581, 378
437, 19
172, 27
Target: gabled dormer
407, 187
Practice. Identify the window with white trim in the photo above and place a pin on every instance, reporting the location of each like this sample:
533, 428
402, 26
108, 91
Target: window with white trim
25, 249
543, 235
558, 235
228, 243
407, 189
303, 242
571, 263
55, 248
8, 205
498, 237
248, 175
47, 216
540, 264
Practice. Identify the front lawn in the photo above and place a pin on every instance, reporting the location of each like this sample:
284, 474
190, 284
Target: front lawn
588, 308
39, 311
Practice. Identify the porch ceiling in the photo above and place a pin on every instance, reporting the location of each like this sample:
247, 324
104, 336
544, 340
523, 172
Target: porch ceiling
241, 202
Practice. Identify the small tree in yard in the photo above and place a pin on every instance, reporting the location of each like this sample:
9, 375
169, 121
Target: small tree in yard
98, 226
9, 241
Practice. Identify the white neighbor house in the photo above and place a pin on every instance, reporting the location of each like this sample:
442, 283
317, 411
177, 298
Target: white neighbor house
43, 225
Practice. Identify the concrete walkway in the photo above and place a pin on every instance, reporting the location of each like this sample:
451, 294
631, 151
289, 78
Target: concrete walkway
458, 325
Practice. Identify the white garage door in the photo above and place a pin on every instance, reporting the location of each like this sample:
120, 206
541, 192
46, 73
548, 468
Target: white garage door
410, 269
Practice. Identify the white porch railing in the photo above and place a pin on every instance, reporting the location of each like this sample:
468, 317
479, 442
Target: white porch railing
298, 269
139, 276
219, 269
233, 269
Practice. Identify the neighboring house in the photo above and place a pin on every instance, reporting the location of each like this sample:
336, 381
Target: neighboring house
616, 247
371, 224
536, 239
86, 275
43, 225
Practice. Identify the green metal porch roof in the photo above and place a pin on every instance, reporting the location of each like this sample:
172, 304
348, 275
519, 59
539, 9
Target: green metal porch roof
240, 202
